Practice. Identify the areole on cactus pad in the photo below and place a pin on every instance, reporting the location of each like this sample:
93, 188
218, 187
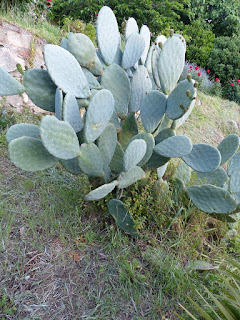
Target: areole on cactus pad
96, 93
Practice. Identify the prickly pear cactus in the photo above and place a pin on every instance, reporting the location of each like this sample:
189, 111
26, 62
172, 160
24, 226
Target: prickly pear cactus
100, 96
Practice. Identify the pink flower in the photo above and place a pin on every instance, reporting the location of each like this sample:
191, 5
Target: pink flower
96, 14
208, 71
190, 67
216, 79
196, 68
199, 73
231, 84
238, 81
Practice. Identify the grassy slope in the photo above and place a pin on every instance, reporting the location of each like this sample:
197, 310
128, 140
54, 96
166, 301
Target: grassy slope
62, 258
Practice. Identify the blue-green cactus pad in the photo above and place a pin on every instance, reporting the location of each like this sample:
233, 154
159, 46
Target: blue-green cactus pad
116, 163
40, 88
59, 138
178, 97
183, 173
92, 81
234, 182
90, 160
145, 33
122, 217
234, 164
64, 43
181, 120
203, 158
140, 86
156, 161
82, 48
228, 147
115, 79
133, 50
152, 110
133, 175
211, 199
115, 121
161, 170
171, 63
164, 123
107, 143
59, 104
65, 71
155, 57
71, 113
131, 27
148, 63
29, 154
101, 192
107, 34
71, 166
217, 177
174, 147
180, 36
99, 113
148, 138
164, 134
23, 130
9, 85
129, 130
134, 153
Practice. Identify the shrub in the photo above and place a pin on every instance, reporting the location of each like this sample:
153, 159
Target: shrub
15, 4
224, 59
199, 39
78, 26
232, 91
110, 87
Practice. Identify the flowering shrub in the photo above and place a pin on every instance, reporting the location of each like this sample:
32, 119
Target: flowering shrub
232, 91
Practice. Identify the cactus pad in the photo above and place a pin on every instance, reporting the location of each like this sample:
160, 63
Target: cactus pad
59, 104
228, 147
129, 130
148, 138
211, 199
82, 48
140, 86
203, 158
107, 34
174, 147
71, 112
116, 163
99, 113
122, 217
9, 85
71, 166
115, 79
65, 71
131, 27
107, 143
40, 88
178, 101
133, 50
134, 153
101, 192
145, 33
90, 160
130, 177
171, 63
218, 177
92, 81
59, 138
29, 154
23, 130
152, 110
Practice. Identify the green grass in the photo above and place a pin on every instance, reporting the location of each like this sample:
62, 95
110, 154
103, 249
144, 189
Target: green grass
40, 28
64, 258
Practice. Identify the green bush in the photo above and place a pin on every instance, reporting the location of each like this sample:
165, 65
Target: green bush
232, 91
199, 39
224, 59
17, 4
78, 26
158, 16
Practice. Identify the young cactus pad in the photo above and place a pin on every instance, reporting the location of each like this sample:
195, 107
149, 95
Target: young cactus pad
95, 95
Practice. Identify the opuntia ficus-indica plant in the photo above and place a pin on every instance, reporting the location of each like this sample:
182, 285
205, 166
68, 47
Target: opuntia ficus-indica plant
96, 95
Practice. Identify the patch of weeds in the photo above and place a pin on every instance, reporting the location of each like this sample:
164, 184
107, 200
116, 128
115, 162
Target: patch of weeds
7, 307
7, 119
